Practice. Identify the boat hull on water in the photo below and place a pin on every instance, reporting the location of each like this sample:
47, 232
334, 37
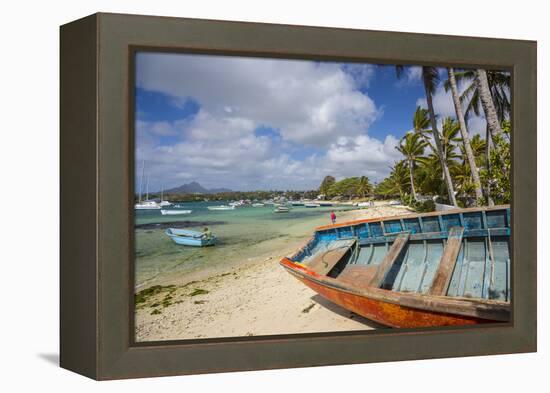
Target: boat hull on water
165, 212
186, 237
413, 271
223, 207
147, 205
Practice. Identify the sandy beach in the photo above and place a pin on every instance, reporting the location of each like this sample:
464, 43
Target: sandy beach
255, 297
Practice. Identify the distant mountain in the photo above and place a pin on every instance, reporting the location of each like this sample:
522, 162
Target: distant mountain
194, 188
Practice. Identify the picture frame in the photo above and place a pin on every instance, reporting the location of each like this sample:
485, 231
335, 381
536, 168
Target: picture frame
96, 266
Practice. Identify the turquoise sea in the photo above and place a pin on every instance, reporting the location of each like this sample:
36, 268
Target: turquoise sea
243, 233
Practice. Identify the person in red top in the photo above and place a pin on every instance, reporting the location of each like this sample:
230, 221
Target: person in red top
332, 217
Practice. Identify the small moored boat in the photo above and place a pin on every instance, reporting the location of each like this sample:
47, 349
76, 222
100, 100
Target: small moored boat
258, 204
311, 204
417, 270
187, 237
173, 212
221, 207
147, 205
281, 209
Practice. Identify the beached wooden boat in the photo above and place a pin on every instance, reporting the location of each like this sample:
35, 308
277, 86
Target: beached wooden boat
417, 270
187, 237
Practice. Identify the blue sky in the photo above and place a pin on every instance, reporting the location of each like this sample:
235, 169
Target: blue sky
251, 123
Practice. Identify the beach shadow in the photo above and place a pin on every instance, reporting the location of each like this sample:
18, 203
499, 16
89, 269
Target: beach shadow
346, 313
52, 358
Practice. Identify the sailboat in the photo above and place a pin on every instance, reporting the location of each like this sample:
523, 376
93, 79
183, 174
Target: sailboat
146, 204
162, 201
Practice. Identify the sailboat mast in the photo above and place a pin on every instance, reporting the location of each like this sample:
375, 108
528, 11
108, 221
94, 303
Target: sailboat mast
147, 188
141, 179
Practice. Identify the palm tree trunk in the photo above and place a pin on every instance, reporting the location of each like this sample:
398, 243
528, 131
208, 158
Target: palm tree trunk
437, 140
490, 201
487, 103
411, 175
465, 136
488, 106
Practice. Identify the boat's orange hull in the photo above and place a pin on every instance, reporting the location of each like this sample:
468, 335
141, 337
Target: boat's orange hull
385, 313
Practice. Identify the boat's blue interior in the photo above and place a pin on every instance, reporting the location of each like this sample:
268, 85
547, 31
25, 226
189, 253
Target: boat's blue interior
482, 268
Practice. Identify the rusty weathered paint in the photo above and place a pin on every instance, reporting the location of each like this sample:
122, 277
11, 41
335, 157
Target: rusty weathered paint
385, 313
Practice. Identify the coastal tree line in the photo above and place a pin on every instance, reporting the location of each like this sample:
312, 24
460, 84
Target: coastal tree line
446, 162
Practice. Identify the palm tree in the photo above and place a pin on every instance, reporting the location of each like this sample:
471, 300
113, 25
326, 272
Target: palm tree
412, 147
478, 148
487, 103
364, 187
499, 84
430, 78
449, 134
464, 133
396, 183
421, 124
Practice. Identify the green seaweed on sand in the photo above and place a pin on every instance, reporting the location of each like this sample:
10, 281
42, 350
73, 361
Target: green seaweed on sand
308, 308
199, 301
156, 312
144, 295
199, 291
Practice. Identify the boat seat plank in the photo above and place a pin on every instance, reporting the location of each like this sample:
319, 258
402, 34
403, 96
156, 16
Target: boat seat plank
358, 276
389, 259
443, 275
323, 262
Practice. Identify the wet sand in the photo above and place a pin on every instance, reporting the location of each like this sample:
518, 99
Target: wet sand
256, 297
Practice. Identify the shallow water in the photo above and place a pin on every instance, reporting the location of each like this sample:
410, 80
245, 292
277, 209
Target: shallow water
242, 233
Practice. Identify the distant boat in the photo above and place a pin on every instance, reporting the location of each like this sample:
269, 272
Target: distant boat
146, 204
325, 204
416, 270
221, 207
162, 201
365, 204
258, 204
395, 203
296, 203
187, 237
311, 204
281, 209
174, 212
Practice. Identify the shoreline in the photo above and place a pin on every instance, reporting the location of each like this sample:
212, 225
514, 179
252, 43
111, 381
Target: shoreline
252, 297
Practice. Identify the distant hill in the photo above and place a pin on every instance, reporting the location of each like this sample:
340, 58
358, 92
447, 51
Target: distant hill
195, 188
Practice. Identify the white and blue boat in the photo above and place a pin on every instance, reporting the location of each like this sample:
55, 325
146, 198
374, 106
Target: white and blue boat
187, 237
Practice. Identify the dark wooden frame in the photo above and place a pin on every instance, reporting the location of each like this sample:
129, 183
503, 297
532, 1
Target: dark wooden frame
97, 215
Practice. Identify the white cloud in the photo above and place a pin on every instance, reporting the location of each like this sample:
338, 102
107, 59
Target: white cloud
316, 105
308, 102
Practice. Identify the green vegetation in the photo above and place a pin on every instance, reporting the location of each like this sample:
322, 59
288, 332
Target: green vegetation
146, 294
447, 163
198, 291
348, 188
